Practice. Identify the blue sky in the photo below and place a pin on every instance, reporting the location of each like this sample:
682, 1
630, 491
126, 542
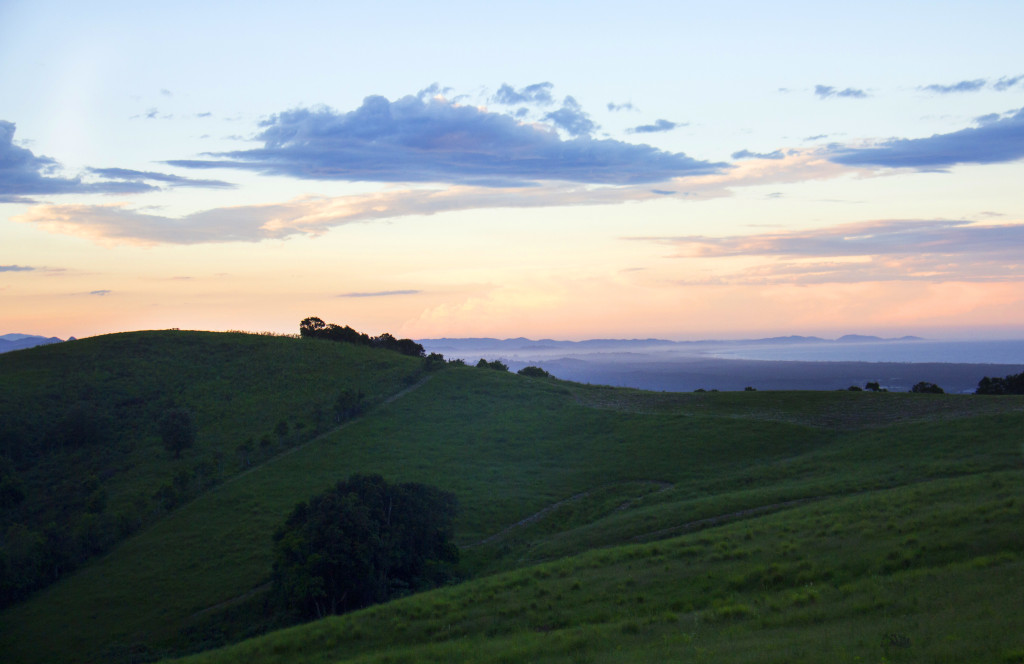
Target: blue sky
551, 169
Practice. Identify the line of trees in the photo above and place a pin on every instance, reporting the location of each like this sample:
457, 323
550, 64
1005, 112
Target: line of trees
1012, 384
316, 328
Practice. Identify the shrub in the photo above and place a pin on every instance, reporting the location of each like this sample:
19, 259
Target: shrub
533, 372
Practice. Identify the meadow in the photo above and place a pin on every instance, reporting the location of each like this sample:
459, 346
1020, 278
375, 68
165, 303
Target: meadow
596, 524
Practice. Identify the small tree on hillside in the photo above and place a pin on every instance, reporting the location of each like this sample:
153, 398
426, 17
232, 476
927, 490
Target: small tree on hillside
927, 388
177, 430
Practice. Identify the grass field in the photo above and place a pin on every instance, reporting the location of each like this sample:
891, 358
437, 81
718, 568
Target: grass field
596, 524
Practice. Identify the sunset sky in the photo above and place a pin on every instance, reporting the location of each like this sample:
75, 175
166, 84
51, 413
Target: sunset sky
553, 169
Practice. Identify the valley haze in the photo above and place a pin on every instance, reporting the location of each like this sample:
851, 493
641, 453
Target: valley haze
777, 363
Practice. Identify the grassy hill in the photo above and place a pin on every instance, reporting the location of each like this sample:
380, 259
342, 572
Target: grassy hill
79, 439
596, 524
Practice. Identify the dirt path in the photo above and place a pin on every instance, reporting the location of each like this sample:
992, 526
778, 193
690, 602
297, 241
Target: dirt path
266, 586
391, 399
719, 519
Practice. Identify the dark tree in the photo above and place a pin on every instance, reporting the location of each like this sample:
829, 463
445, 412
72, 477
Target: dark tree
177, 430
363, 542
927, 388
873, 387
311, 327
434, 361
533, 372
348, 404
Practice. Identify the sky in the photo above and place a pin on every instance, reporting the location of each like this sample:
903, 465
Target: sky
561, 170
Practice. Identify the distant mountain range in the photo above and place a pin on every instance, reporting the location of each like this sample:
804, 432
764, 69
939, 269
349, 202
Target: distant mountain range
9, 342
522, 343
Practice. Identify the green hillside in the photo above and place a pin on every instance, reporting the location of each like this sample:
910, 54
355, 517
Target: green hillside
596, 524
82, 463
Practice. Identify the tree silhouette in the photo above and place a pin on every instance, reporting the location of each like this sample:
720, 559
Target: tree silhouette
361, 542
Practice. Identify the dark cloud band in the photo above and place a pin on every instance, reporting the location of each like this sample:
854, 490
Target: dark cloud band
23, 174
416, 139
994, 140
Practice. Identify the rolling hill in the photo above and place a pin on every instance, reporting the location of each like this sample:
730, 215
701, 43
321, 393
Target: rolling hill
596, 524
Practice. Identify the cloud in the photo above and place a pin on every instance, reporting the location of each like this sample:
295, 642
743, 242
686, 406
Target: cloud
1005, 83
962, 86
16, 268
572, 118
995, 140
172, 180
118, 224
660, 125
382, 293
311, 216
826, 91
614, 108
101, 293
538, 93
417, 139
747, 154
22, 173
916, 250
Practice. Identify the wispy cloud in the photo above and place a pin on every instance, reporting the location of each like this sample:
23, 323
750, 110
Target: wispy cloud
100, 293
974, 85
963, 86
996, 139
389, 293
747, 154
23, 173
928, 250
658, 126
129, 175
613, 107
119, 224
420, 139
16, 268
826, 91
538, 93
572, 119
1005, 83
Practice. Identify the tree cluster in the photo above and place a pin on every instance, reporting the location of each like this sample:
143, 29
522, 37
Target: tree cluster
927, 388
1012, 384
316, 328
362, 542
497, 365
